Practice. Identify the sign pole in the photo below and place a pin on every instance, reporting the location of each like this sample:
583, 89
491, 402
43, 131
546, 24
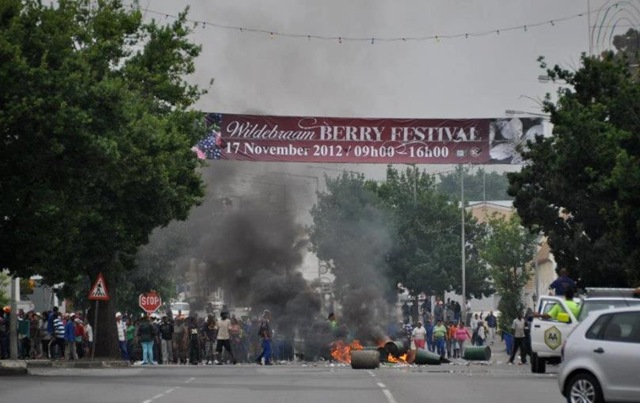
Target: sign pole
95, 331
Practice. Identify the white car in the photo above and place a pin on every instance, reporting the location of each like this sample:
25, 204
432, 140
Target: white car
548, 335
601, 358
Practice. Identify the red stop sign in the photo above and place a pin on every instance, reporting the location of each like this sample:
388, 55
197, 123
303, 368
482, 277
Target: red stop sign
150, 301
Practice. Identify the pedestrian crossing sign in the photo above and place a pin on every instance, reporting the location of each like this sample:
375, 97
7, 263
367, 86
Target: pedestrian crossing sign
99, 289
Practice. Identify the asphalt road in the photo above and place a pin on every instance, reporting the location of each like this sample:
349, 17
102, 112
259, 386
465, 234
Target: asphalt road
287, 382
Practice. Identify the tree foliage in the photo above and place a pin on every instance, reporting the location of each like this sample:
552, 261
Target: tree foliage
96, 132
427, 255
579, 186
404, 228
351, 232
508, 249
480, 186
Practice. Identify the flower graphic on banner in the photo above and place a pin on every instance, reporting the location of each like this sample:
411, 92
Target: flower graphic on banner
508, 135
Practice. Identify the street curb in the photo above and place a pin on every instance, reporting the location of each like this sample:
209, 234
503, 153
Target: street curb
84, 364
13, 367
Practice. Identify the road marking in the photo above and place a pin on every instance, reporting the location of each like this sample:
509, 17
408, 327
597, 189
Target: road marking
190, 380
161, 394
386, 391
389, 396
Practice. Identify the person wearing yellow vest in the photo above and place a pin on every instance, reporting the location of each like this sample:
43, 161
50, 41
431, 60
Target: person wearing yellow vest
571, 304
439, 337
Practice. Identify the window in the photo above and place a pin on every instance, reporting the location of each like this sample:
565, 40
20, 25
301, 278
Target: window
619, 327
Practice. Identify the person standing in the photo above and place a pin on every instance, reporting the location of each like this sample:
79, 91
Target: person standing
35, 334
166, 337
70, 351
224, 338
57, 347
418, 336
518, 340
492, 324
481, 334
439, 337
145, 337
81, 337
194, 340
88, 331
562, 283
265, 333
122, 339
462, 336
180, 344
45, 335
209, 331
429, 336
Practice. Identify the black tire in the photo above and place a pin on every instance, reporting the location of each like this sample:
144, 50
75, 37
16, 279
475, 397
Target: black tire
538, 365
584, 388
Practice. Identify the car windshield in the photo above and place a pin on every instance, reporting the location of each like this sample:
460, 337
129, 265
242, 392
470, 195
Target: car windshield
592, 305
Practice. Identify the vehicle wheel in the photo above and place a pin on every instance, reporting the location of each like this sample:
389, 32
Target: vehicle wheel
584, 388
538, 365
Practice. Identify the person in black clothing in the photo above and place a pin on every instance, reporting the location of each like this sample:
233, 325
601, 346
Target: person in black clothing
166, 337
194, 341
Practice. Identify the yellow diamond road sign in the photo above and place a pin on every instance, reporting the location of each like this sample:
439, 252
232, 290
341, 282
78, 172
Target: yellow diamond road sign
553, 337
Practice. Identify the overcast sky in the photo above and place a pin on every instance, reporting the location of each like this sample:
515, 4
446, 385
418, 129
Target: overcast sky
460, 78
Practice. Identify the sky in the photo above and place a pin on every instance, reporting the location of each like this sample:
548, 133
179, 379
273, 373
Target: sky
474, 77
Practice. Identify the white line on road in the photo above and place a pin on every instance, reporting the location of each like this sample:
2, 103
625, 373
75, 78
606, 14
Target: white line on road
389, 396
382, 386
161, 394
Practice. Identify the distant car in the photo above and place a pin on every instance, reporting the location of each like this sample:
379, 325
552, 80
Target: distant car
601, 358
181, 308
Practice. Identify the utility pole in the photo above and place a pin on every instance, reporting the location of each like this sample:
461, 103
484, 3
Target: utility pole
589, 36
13, 320
464, 274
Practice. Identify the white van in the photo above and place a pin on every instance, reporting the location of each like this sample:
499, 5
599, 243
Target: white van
180, 308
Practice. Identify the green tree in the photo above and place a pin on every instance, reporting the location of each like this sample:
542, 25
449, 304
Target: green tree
96, 135
351, 231
579, 186
426, 225
507, 249
477, 187
628, 47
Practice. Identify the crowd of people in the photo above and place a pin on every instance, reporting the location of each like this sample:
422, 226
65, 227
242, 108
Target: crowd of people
449, 338
47, 335
151, 340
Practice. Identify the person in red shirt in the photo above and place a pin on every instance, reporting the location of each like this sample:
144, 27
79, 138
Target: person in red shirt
81, 337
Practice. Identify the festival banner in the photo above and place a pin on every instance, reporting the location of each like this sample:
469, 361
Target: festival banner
362, 140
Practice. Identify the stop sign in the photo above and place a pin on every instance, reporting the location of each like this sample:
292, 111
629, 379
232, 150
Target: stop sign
149, 302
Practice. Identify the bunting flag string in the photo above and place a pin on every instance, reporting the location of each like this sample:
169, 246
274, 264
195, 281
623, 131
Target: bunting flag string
377, 39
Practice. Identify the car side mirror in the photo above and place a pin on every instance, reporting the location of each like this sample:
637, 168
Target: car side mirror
563, 317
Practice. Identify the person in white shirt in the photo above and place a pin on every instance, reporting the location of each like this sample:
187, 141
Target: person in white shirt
122, 338
518, 340
224, 338
419, 335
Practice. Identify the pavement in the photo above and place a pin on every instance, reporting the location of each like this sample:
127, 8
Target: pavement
499, 357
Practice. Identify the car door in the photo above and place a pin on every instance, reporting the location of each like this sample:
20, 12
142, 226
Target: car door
618, 353
547, 335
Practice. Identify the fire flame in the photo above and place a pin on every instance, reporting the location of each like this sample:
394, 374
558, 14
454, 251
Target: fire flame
340, 351
398, 360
